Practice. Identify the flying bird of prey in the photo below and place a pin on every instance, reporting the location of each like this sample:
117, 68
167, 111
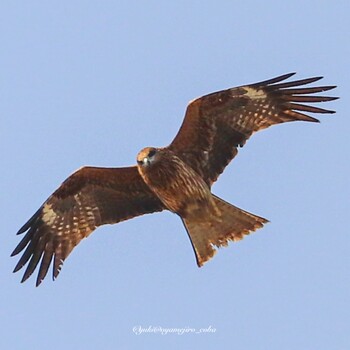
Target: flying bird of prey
176, 178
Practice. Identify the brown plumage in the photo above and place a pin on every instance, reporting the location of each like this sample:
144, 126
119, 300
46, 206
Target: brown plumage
177, 178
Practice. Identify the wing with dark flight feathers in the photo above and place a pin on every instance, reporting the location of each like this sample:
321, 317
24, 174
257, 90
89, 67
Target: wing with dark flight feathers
217, 124
88, 198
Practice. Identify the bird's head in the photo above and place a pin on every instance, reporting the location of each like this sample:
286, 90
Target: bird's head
147, 156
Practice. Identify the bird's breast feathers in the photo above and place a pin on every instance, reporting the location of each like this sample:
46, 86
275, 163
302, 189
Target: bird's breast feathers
175, 183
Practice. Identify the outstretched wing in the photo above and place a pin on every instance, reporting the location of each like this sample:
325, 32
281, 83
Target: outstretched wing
217, 124
87, 199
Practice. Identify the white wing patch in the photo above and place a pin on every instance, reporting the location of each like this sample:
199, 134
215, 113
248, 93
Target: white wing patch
255, 94
49, 215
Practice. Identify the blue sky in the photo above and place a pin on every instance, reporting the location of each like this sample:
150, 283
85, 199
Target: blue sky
91, 83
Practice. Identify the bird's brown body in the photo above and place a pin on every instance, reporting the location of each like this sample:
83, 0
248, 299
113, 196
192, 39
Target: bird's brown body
208, 220
176, 178
175, 183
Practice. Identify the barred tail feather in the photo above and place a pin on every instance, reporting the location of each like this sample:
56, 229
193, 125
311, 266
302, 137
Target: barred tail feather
231, 225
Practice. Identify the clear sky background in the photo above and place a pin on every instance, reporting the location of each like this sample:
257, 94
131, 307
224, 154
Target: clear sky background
91, 83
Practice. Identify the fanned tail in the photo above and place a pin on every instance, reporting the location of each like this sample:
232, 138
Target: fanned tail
231, 225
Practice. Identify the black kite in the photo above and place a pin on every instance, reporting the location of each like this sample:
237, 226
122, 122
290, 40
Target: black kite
177, 178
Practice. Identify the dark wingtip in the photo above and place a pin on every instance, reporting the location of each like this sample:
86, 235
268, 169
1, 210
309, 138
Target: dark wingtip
326, 88
29, 271
313, 79
24, 228
336, 97
14, 253
274, 80
17, 268
326, 111
286, 76
330, 98
19, 248
25, 277
30, 222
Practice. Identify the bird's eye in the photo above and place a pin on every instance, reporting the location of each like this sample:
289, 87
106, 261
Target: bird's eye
151, 153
